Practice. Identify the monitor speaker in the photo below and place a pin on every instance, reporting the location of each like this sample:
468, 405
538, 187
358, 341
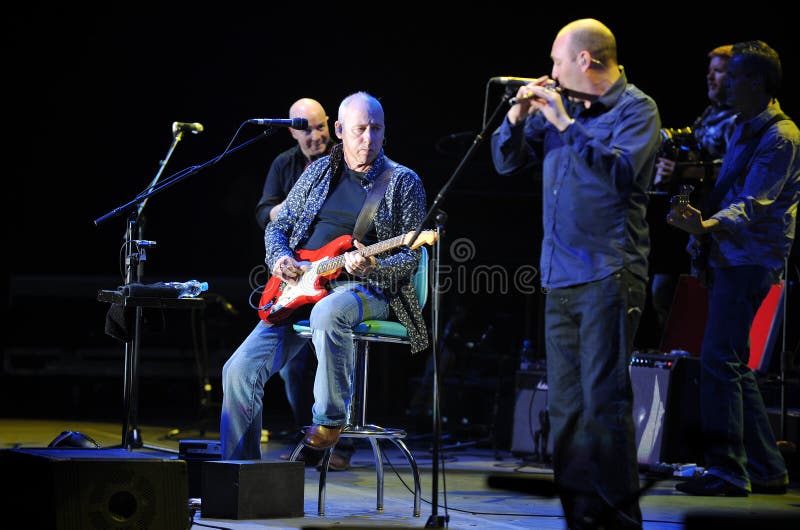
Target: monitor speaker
252, 489
87, 489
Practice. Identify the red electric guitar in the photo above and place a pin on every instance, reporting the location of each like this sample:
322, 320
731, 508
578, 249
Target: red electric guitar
279, 299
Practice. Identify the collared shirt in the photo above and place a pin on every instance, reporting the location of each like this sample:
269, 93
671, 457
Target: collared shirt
713, 129
758, 219
595, 177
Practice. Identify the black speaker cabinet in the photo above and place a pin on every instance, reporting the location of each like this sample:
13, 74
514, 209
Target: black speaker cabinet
195, 452
531, 436
666, 408
252, 489
87, 489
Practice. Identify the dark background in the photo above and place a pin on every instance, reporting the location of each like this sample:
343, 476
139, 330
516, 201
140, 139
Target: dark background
90, 99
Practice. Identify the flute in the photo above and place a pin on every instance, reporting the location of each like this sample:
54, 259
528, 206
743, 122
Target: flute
561, 90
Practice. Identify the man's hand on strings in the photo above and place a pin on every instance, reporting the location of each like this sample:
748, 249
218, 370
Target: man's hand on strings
356, 264
289, 270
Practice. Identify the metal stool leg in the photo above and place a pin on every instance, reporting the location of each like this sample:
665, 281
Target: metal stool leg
296, 452
323, 474
323, 477
378, 470
413, 463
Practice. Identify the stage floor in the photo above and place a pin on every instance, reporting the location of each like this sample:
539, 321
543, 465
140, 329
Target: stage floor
465, 496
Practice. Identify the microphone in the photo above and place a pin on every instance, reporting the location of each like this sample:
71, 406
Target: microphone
512, 81
295, 123
194, 128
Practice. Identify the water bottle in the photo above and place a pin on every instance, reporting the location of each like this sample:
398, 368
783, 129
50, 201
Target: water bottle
190, 289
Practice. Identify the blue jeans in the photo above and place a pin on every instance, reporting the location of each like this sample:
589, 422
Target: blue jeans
589, 330
269, 348
298, 380
740, 445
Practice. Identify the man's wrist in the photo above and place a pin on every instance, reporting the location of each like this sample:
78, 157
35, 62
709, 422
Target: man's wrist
569, 122
710, 225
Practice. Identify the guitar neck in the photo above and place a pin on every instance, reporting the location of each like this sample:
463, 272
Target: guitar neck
382, 246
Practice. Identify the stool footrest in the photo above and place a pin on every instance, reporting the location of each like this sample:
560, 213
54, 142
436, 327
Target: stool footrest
372, 431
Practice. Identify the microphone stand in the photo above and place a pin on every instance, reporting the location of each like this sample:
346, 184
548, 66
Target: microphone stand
176, 137
135, 254
784, 444
134, 271
435, 520
175, 178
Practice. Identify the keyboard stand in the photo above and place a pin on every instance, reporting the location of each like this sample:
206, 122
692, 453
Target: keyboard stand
131, 436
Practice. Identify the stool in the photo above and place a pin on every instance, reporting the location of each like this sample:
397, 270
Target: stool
357, 427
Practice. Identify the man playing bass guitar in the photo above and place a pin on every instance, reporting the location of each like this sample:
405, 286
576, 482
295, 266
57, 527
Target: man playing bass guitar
750, 215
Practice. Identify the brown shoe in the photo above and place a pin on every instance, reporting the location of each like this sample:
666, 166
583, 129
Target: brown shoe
321, 436
311, 457
338, 462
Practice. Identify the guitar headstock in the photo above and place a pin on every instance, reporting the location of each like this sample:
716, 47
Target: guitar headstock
682, 198
426, 237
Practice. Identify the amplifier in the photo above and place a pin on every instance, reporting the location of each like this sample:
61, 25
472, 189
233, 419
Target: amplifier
666, 408
199, 449
531, 436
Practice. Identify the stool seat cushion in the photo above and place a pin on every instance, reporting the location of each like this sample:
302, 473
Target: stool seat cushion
368, 327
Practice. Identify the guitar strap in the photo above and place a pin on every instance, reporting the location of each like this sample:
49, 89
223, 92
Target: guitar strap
374, 197
736, 169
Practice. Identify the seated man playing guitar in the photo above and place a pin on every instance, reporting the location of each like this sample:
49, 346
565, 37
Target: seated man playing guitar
355, 190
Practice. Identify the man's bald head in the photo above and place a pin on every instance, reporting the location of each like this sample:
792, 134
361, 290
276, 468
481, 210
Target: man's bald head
305, 107
315, 139
593, 36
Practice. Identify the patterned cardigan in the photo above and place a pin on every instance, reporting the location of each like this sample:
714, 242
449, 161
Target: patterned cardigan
400, 212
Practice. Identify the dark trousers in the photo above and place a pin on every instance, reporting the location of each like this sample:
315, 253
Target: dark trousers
740, 445
589, 330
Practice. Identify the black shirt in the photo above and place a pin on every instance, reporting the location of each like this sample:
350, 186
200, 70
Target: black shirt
283, 173
340, 211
